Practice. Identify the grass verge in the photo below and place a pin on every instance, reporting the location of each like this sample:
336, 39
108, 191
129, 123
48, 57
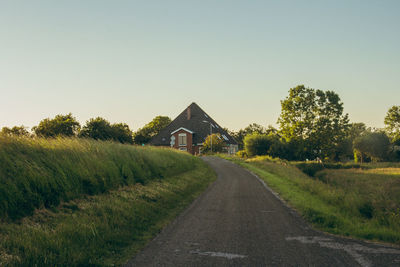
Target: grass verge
350, 202
101, 230
40, 173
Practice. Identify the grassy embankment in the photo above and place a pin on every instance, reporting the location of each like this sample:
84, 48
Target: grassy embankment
80, 202
357, 202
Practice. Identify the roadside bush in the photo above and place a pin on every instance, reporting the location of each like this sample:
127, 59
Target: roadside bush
311, 168
257, 144
241, 154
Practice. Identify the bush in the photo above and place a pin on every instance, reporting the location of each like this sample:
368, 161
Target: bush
372, 145
217, 144
311, 168
241, 154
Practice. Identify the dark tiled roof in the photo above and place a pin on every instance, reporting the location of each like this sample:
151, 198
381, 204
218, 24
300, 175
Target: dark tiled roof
195, 124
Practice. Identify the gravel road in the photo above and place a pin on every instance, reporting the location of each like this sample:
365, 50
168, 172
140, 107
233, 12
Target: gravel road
238, 221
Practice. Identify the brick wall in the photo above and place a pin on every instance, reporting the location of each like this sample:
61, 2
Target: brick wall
189, 141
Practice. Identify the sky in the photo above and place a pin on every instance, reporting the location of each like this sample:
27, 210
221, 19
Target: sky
129, 61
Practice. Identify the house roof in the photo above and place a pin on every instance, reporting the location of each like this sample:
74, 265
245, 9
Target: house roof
194, 119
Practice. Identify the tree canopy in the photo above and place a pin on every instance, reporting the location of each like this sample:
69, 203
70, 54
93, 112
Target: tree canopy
151, 129
60, 125
101, 129
313, 116
392, 123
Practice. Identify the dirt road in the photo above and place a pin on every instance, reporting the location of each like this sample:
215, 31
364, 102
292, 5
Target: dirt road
238, 221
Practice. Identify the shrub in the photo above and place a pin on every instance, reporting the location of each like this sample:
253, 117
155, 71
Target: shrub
372, 145
257, 144
241, 154
217, 144
311, 168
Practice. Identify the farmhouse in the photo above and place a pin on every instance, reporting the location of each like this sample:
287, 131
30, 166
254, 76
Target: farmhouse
189, 130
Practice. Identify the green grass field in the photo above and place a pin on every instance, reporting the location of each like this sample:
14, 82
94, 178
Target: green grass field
133, 193
362, 203
37, 173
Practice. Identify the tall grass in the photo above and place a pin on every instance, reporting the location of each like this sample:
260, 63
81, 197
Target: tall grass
101, 230
74, 202
37, 173
363, 203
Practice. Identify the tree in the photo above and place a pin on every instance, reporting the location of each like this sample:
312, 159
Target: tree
121, 133
372, 145
15, 131
97, 128
392, 123
218, 143
101, 129
151, 129
313, 118
297, 113
61, 125
344, 150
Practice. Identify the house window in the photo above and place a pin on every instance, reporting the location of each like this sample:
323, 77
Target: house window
182, 139
182, 149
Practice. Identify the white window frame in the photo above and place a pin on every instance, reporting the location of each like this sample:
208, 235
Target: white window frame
182, 139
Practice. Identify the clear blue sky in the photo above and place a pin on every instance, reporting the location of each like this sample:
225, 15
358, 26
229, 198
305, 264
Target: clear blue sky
129, 61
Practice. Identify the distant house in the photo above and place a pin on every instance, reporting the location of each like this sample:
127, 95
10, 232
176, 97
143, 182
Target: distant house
189, 130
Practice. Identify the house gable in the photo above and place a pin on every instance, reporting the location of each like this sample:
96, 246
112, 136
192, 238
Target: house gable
184, 129
196, 123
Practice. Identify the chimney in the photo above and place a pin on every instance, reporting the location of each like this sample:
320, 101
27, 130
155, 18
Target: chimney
189, 113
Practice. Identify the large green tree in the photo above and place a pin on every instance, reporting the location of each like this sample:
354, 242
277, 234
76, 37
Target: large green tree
314, 118
151, 129
60, 125
101, 129
392, 123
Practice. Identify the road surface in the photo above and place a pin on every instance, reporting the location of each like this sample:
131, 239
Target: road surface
238, 221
